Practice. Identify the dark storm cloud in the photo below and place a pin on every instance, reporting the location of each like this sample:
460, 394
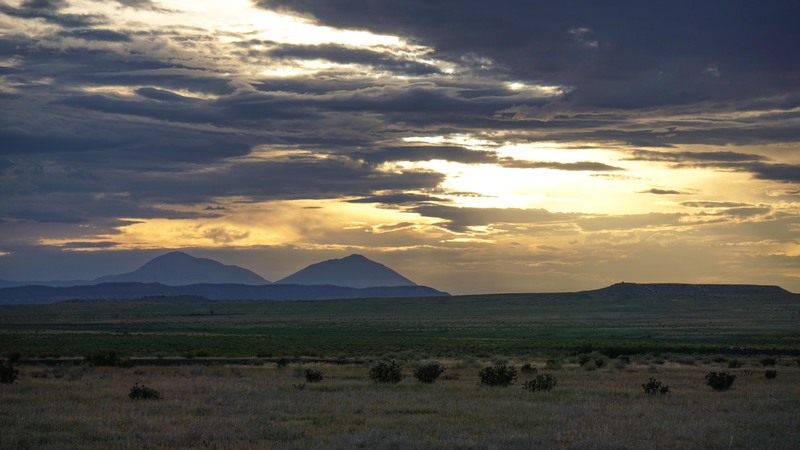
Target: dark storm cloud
399, 199
658, 191
343, 55
96, 35
695, 157
632, 55
730, 161
574, 167
428, 153
49, 11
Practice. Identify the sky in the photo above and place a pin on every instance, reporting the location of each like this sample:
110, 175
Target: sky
473, 146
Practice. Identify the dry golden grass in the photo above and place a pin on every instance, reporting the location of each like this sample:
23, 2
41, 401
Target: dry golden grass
245, 407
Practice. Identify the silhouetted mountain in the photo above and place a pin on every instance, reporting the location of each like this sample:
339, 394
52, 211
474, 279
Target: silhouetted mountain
679, 289
353, 271
179, 269
127, 291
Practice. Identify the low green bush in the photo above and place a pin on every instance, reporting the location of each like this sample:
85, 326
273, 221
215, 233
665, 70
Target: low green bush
771, 374
542, 382
527, 368
138, 392
8, 373
720, 381
498, 375
313, 376
428, 373
654, 386
386, 372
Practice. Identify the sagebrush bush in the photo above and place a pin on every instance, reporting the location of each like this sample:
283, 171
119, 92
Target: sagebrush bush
720, 381
734, 364
499, 375
768, 362
542, 382
143, 393
655, 387
528, 369
313, 376
771, 374
8, 373
428, 373
386, 372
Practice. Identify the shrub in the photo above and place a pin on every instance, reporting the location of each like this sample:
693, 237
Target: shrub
8, 374
282, 362
428, 373
734, 364
386, 372
143, 393
655, 387
771, 374
499, 375
528, 368
769, 362
542, 382
720, 381
313, 376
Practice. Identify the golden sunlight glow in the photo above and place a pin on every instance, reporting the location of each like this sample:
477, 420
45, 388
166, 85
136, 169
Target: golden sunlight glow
300, 223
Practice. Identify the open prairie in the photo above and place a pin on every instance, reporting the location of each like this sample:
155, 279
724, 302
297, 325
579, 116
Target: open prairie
231, 374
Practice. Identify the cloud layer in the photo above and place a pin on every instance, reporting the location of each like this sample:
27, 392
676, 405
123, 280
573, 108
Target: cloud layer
548, 145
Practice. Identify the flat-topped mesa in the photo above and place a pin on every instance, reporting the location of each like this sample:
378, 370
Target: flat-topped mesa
690, 289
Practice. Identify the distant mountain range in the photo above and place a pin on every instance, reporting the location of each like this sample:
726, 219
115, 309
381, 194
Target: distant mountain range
178, 273
182, 269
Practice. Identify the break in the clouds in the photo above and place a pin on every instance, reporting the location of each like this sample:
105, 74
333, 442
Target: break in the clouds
473, 146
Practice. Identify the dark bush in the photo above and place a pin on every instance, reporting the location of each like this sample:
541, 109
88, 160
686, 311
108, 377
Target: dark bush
386, 372
771, 374
8, 374
655, 387
542, 382
143, 393
282, 362
499, 375
720, 381
313, 376
528, 369
428, 373
769, 362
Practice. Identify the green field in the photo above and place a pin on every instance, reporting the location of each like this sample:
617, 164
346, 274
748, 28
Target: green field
541, 325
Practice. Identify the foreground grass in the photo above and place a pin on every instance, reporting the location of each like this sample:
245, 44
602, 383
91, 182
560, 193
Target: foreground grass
269, 407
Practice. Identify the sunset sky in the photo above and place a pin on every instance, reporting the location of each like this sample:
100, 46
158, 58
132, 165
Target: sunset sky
473, 146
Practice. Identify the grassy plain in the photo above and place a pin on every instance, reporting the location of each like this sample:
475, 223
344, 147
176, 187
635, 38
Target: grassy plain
476, 326
246, 400
244, 407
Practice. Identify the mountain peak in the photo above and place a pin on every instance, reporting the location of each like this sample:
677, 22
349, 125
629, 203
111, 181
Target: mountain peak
179, 268
355, 271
